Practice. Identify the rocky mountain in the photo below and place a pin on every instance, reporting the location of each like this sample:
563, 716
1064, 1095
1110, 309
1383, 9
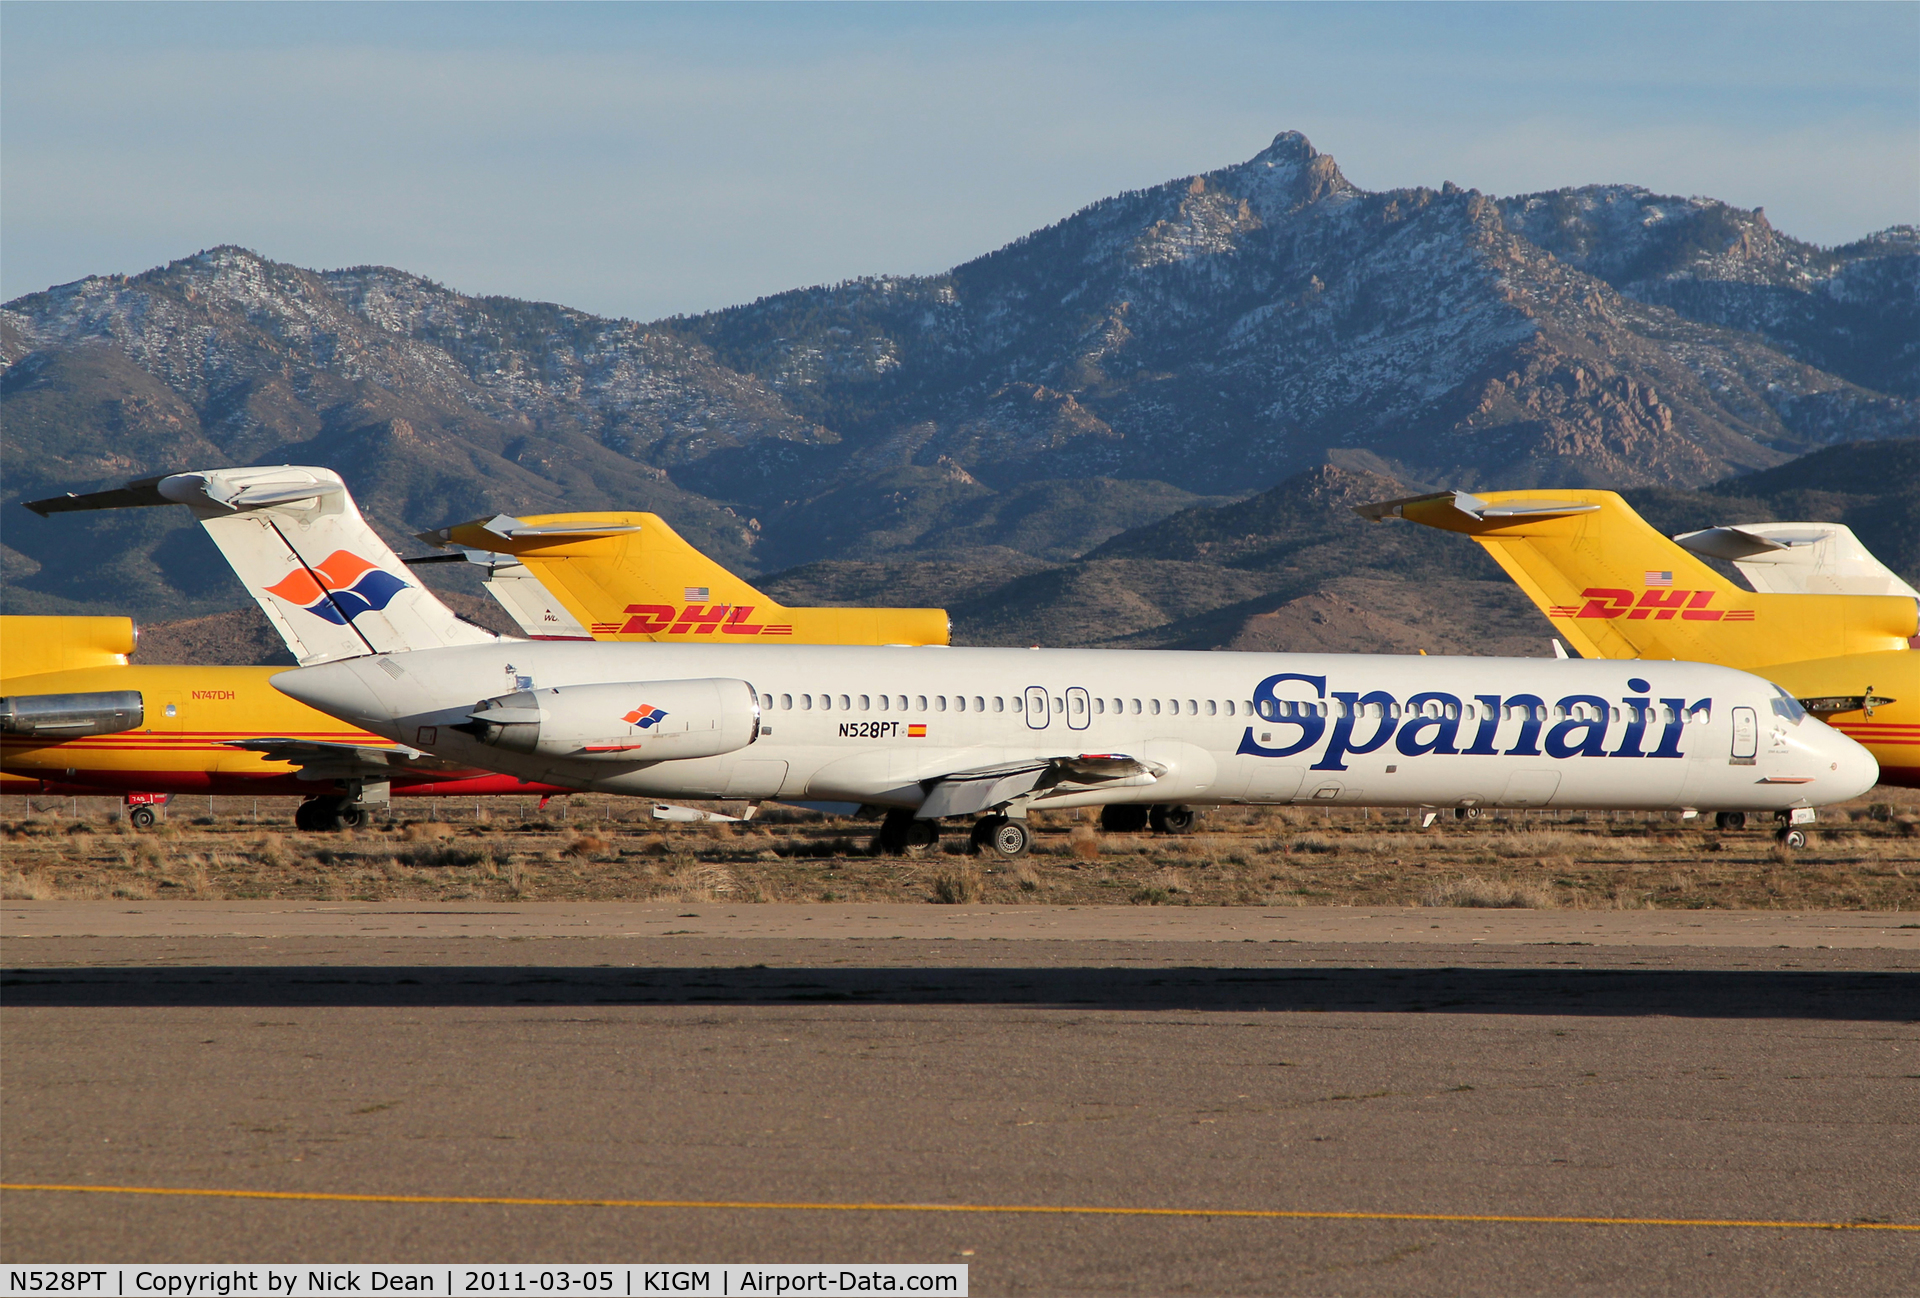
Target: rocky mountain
1155, 352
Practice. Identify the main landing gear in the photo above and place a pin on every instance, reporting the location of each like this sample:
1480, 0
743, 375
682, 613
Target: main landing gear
1132, 818
901, 834
1003, 836
1729, 820
329, 814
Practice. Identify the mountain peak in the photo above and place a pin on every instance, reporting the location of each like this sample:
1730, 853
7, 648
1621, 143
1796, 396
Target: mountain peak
1286, 175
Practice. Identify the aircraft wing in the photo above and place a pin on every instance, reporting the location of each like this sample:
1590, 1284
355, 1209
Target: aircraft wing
318, 760
961, 793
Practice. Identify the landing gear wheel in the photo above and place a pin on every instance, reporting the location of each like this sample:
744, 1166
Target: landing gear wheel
1792, 838
1172, 820
1123, 818
1003, 836
319, 815
352, 816
1466, 813
1729, 820
901, 834
141, 817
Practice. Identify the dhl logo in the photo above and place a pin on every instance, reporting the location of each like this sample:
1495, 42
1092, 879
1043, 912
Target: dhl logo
1659, 605
339, 589
646, 716
692, 619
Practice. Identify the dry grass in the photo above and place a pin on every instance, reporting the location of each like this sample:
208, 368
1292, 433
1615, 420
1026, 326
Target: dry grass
1500, 894
959, 885
1243, 856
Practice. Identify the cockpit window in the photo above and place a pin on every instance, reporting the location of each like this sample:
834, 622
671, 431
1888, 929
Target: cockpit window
1785, 705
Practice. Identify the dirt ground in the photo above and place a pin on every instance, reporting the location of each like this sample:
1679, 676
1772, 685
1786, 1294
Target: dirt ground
1864, 855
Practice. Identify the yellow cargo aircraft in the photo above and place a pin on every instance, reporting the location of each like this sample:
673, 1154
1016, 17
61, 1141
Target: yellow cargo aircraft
1616, 588
631, 577
76, 718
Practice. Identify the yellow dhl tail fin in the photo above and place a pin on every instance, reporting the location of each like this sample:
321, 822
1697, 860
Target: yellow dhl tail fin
632, 577
33, 646
1617, 588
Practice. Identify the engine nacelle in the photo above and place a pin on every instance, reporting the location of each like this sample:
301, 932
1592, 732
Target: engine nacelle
638, 721
72, 716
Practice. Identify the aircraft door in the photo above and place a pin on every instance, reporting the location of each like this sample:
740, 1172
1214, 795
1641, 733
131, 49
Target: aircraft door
1079, 709
1746, 736
1037, 709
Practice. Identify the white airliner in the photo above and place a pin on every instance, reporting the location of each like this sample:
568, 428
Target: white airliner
932, 733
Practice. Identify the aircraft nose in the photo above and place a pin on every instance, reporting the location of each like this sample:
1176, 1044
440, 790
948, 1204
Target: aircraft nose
335, 689
1854, 769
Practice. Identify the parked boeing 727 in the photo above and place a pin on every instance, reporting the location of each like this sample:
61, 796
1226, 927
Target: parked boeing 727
990, 734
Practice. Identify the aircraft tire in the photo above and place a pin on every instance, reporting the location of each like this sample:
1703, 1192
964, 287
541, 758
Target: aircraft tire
1172, 819
901, 834
1791, 838
141, 817
1123, 818
1004, 836
351, 816
1729, 820
1466, 813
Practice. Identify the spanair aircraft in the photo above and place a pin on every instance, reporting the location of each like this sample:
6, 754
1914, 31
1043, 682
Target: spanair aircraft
1841, 643
77, 719
87, 727
935, 733
630, 577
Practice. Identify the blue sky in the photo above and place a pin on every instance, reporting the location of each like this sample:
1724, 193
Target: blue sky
644, 160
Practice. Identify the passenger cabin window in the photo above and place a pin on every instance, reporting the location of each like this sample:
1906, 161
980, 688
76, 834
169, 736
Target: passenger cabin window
883, 703
939, 703
1100, 707
766, 702
920, 702
979, 704
1135, 707
999, 703
1154, 706
806, 702
1018, 703
866, 703
786, 702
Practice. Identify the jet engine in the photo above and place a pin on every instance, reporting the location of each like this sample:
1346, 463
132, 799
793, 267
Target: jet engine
638, 721
71, 716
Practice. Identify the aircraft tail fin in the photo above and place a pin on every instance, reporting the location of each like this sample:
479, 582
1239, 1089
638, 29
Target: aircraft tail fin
630, 576
321, 574
1617, 588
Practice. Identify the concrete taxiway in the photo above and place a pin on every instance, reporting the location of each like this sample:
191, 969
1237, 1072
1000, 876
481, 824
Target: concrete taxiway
1659, 1066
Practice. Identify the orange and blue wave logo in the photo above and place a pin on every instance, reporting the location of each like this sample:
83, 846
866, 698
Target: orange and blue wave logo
339, 589
646, 716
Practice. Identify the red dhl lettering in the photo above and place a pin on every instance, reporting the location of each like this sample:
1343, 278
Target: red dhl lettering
1660, 605
692, 619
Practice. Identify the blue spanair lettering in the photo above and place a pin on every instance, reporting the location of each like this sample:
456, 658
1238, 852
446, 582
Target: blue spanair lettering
1267, 706
1489, 727
1670, 737
1528, 744
1639, 712
1446, 727
1341, 742
1593, 729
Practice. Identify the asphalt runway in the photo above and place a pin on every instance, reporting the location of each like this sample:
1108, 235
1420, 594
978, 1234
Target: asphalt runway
1620, 1075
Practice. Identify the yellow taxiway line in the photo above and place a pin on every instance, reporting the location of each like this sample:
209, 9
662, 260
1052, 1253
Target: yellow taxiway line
744, 1205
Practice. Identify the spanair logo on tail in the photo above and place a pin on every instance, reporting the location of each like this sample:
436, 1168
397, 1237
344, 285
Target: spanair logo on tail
340, 589
646, 716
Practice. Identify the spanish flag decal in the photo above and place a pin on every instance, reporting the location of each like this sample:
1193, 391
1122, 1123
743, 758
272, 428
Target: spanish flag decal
916, 732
